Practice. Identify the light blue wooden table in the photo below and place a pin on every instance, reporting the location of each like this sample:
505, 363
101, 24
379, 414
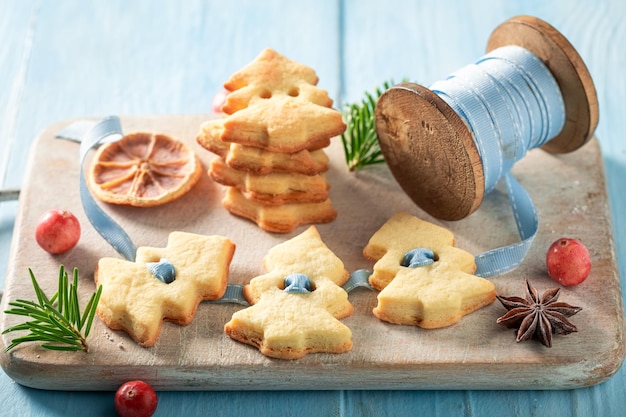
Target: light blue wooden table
68, 59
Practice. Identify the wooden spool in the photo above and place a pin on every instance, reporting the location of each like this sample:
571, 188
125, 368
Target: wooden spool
431, 151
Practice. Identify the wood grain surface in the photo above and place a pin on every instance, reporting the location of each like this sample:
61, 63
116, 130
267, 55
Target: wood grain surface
72, 59
431, 151
474, 353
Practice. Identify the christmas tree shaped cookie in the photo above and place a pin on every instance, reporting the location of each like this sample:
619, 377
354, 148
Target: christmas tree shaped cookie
259, 161
276, 119
162, 284
269, 75
424, 280
272, 189
297, 303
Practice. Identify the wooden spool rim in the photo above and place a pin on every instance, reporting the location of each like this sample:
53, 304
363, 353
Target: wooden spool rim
567, 67
431, 151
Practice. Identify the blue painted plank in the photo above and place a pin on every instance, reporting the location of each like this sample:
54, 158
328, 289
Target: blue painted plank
17, 400
148, 57
16, 24
158, 57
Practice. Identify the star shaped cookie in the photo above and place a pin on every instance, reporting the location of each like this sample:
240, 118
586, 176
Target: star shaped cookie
289, 325
435, 295
135, 301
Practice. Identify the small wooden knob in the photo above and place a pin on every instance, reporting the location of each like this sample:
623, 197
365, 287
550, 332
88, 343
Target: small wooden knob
431, 151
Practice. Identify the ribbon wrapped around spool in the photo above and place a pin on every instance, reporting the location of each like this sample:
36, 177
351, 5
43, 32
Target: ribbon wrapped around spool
432, 151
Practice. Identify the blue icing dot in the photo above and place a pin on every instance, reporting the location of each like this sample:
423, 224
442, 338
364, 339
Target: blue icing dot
163, 270
298, 283
418, 257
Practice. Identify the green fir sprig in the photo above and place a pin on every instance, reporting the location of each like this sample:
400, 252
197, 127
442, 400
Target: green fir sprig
57, 322
360, 141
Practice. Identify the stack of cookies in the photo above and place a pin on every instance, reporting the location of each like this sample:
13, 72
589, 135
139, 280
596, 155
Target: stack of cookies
270, 144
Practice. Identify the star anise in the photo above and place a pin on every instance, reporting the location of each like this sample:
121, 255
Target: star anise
538, 318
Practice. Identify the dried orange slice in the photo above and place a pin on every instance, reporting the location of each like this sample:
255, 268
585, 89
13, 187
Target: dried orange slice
143, 170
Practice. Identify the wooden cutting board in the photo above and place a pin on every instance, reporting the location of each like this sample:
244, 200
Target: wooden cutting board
476, 353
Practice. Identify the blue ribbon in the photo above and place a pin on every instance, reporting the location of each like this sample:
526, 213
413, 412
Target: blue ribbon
298, 283
233, 294
511, 103
358, 279
93, 135
418, 257
163, 270
506, 258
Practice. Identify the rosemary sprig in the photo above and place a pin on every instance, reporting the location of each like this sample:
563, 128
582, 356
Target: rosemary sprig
360, 142
56, 322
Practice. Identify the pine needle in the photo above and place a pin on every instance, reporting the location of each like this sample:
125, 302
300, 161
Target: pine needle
57, 327
360, 141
